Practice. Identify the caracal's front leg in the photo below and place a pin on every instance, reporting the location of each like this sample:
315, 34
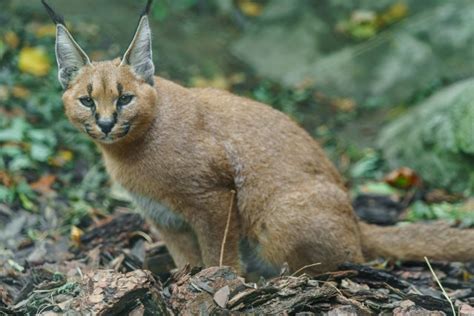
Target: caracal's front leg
182, 245
210, 227
175, 231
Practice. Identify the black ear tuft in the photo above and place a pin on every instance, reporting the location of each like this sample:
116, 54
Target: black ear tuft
146, 11
57, 19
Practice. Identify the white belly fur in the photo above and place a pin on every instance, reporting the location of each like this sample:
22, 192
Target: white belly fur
159, 213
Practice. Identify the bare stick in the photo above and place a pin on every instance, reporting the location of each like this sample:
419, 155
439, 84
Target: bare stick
441, 286
226, 231
305, 267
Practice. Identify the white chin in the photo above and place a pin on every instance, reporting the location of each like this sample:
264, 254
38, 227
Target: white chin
107, 140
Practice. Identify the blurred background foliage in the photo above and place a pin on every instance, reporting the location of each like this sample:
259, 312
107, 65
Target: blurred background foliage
386, 86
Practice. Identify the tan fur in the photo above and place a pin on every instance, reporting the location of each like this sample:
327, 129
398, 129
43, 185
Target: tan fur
412, 242
188, 148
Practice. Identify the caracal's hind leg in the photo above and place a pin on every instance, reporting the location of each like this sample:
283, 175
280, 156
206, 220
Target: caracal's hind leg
311, 224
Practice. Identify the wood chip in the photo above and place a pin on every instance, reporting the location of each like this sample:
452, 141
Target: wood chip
222, 296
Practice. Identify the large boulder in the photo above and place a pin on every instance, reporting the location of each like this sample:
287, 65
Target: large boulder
436, 138
299, 44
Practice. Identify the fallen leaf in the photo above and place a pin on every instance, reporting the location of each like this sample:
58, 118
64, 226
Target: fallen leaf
43, 185
440, 195
466, 310
11, 39
250, 8
5, 179
354, 287
221, 297
76, 234
47, 30
395, 13
20, 92
4, 93
98, 55
468, 205
363, 16
219, 82
344, 104
34, 60
62, 158
403, 178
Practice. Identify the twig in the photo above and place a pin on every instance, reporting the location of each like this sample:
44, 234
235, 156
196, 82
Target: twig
226, 231
143, 235
441, 286
305, 267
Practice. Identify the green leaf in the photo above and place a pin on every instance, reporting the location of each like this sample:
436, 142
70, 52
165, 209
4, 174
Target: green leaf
443, 211
19, 163
6, 195
10, 151
26, 202
40, 152
420, 211
15, 132
367, 166
24, 188
363, 31
3, 48
380, 188
45, 136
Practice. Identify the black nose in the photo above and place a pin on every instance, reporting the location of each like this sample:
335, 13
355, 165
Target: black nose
106, 125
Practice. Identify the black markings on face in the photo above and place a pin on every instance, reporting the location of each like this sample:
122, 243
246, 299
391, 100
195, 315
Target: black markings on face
119, 89
104, 84
89, 89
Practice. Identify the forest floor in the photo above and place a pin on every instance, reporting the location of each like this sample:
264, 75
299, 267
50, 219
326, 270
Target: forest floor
70, 241
119, 266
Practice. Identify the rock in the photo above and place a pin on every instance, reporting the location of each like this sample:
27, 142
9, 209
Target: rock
430, 44
435, 138
378, 209
106, 292
279, 50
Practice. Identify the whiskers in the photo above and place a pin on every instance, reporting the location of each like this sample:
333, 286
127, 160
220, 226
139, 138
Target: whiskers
88, 129
117, 133
125, 129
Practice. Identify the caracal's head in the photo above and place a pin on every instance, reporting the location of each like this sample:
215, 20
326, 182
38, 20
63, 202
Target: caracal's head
112, 101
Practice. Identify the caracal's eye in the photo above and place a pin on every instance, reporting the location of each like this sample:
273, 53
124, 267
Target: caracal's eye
124, 100
87, 101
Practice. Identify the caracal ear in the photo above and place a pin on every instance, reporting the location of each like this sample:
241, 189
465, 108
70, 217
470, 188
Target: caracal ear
71, 58
139, 54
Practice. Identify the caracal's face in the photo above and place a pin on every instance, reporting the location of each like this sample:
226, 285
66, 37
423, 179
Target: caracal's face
109, 102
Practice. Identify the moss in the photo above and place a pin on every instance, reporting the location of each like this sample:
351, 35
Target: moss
436, 138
